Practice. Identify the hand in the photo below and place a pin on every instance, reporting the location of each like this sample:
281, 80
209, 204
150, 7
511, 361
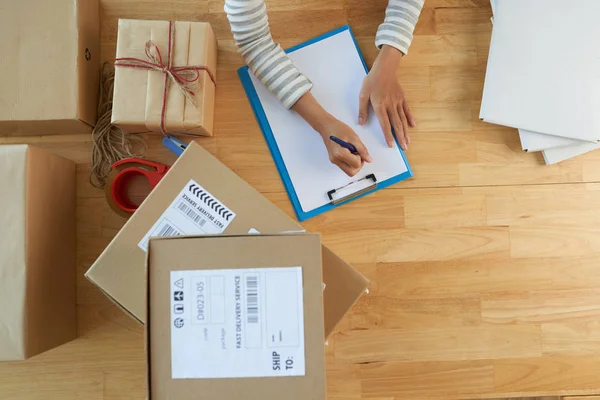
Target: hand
348, 162
324, 123
382, 89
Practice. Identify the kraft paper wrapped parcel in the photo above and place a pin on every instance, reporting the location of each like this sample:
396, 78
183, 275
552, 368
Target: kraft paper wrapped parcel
139, 93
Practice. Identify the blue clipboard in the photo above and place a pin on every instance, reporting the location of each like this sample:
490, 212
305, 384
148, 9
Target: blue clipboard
263, 122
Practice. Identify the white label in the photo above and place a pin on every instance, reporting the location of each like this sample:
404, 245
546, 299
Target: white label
193, 212
237, 323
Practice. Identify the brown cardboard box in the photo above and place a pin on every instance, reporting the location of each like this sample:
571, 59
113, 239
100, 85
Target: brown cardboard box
139, 93
225, 307
37, 251
201, 195
49, 58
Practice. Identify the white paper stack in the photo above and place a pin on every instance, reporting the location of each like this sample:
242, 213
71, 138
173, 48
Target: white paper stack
543, 75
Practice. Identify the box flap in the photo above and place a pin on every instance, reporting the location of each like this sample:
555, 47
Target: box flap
200, 177
13, 159
344, 286
50, 245
217, 289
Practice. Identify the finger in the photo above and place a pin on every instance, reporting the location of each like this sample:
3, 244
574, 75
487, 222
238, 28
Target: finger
363, 106
404, 124
409, 114
384, 121
348, 170
398, 127
362, 150
344, 155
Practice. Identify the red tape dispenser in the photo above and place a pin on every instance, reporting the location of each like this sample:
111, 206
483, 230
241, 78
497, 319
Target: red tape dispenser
121, 175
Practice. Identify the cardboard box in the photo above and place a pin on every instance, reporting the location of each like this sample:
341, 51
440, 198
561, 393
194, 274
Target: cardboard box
235, 317
50, 59
139, 93
200, 195
37, 251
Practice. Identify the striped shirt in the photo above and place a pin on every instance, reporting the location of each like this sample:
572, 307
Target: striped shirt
250, 27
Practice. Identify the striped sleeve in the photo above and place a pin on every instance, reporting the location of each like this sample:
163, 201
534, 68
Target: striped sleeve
266, 59
401, 16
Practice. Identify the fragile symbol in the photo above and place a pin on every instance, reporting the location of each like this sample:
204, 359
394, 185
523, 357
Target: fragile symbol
178, 309
178, 322
178, 296
179, 283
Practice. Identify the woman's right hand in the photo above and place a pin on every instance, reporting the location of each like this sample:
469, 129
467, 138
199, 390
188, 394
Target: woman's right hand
327, 125
348, 162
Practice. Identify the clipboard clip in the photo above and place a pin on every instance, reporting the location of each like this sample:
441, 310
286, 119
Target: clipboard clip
352, 190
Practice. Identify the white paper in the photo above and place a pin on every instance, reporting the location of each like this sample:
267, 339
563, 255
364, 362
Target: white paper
237, 323
534, 141
542, 78
194, 211
336, 70
558, 154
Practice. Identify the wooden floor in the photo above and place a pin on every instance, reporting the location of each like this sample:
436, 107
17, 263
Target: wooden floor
485, 267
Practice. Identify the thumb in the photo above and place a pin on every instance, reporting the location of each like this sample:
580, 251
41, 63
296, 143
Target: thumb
363, 106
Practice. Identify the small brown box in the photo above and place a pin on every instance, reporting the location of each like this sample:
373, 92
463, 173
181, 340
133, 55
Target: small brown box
37, 251
235, 317
139, 93
50, 58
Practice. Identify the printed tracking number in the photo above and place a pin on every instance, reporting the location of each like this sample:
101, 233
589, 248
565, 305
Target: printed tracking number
192, 214
252, 299
168, 230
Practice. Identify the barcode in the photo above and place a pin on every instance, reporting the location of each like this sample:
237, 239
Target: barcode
193, 215
252, 299
168, 230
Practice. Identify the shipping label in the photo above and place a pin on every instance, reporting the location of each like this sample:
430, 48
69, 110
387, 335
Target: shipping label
237, 323
193, 212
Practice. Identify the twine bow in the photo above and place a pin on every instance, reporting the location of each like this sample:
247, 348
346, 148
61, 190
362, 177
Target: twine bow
186, 77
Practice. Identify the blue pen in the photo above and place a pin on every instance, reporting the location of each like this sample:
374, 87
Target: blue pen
344, 144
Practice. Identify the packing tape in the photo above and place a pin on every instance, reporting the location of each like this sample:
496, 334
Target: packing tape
121, 175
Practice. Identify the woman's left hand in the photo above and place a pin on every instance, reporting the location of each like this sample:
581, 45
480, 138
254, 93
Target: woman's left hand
382, 90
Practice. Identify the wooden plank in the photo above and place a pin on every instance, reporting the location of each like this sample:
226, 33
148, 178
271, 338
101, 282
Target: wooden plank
420, 244
439, 149
439, 380
501, 276
581, 398
547, 375
416, 82
543, 205
454, 210
554, 241
457, 83
577, 336
448, 344
541, 306
455, 20
379, 312
433, 50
